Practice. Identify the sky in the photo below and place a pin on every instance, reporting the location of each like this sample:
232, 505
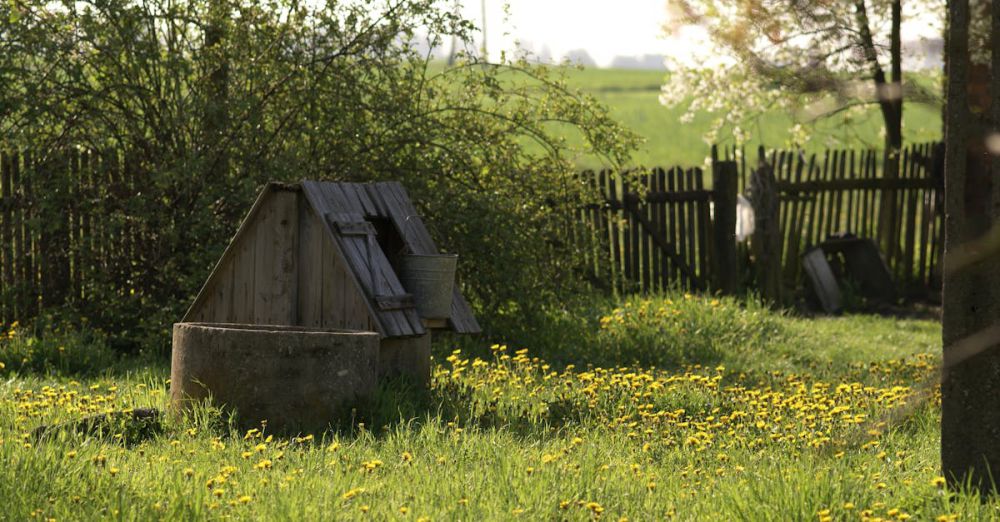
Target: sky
604, 28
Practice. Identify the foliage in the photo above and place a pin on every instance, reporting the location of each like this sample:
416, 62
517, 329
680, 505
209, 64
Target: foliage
59, 351
508, 435
812, 60
671, 330
206, 100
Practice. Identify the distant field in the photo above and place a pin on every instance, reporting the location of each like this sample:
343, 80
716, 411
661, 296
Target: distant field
633, 95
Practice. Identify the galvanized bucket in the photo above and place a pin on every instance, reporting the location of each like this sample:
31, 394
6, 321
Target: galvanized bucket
431, 280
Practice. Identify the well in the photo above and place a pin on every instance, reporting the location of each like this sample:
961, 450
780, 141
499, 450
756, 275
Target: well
295, 378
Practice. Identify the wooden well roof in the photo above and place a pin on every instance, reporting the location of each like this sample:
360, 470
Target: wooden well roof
344, 203
346, 213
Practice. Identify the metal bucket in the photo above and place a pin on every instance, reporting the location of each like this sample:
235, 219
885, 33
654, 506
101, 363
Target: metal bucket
431, 280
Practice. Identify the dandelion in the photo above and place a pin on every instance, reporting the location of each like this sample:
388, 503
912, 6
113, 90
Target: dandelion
245, 499
403, 510
938, 482
351, 493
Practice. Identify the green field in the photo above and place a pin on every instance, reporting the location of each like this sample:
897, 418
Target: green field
735, 413
632, 97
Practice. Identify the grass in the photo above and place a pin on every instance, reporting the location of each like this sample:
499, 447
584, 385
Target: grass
732, 413
632, 96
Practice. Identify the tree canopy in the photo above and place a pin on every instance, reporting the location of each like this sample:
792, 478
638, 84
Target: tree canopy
810, 59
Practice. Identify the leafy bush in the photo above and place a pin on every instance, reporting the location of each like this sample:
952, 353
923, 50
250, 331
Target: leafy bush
205, 100
678, 329
58, 351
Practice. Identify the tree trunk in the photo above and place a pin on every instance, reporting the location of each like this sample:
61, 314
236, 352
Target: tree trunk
889, 94
970, 402
216, 119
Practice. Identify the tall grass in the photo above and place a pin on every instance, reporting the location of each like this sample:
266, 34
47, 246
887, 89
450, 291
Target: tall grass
711, 410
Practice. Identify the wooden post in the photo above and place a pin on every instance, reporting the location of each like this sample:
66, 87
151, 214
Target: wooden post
724, 265
766, 242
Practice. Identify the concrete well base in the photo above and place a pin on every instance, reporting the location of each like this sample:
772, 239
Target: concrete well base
297, 379
409, 358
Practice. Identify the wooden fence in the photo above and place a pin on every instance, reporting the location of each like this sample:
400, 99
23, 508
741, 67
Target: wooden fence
656, 231
651, 231
647, 232
75, 241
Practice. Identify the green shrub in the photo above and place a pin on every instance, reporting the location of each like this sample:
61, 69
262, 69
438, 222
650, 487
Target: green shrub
677, 329
205, 101
59, 351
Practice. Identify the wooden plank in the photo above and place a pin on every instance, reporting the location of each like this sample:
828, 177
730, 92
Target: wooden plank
626, 232
275, 260
334, 286
782, 173
310, 263
20, 224
910, 225
394, 302
672, 229
359, 197
374, 196
794, 233
704, 218
243, 274
838, 206
6, 247
614, 227
666, 277
32, 259
818, 177
635, 234
653, 259
691, 256
849, 194
926, 220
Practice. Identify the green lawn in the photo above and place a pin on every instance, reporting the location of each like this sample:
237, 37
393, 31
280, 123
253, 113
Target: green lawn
732, 413
632, 97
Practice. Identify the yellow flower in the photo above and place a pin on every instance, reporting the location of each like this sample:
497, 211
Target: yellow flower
245, 499
407, 456
403, 510
351, 493
938, 482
